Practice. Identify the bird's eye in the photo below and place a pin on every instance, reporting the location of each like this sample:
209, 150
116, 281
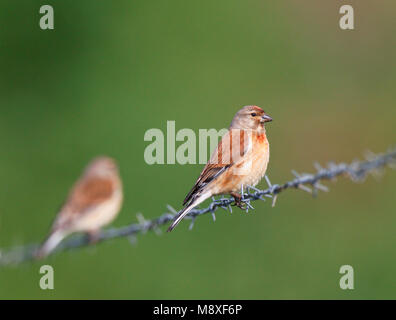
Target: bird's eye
253, 114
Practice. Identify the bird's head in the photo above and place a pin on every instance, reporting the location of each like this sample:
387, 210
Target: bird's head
250, 118
102, 166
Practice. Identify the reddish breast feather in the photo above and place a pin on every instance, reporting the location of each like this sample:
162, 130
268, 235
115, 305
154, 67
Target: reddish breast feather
261, 138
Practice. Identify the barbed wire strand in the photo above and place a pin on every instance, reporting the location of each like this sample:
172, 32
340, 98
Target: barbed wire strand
356, 171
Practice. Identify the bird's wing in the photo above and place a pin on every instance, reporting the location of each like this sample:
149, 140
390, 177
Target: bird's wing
232, 147
87, 193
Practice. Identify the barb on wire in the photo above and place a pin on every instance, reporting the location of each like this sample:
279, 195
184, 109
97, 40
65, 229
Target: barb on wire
356, 171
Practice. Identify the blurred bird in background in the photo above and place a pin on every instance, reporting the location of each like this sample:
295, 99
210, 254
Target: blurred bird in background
93, 202
240, 159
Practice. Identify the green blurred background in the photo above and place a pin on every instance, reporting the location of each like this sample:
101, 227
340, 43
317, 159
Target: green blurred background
110, 70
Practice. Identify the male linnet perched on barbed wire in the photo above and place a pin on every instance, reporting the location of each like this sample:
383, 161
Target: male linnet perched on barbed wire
93, 202
240, 159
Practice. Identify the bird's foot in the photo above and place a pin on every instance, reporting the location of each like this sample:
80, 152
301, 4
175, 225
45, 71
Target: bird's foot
238, 201
93, 236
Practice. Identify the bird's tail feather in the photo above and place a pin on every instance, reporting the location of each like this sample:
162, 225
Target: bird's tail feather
182, 213
50, 243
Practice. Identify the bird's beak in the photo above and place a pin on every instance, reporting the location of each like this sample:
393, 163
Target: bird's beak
266, 118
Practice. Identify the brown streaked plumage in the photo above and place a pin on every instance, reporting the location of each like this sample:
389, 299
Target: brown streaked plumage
241, 158
93, 202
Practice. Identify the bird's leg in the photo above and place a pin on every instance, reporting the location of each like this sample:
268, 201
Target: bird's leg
93, 236
237, 198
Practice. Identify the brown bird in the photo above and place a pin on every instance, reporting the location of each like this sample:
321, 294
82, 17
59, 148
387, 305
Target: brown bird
93, 202
240, 159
